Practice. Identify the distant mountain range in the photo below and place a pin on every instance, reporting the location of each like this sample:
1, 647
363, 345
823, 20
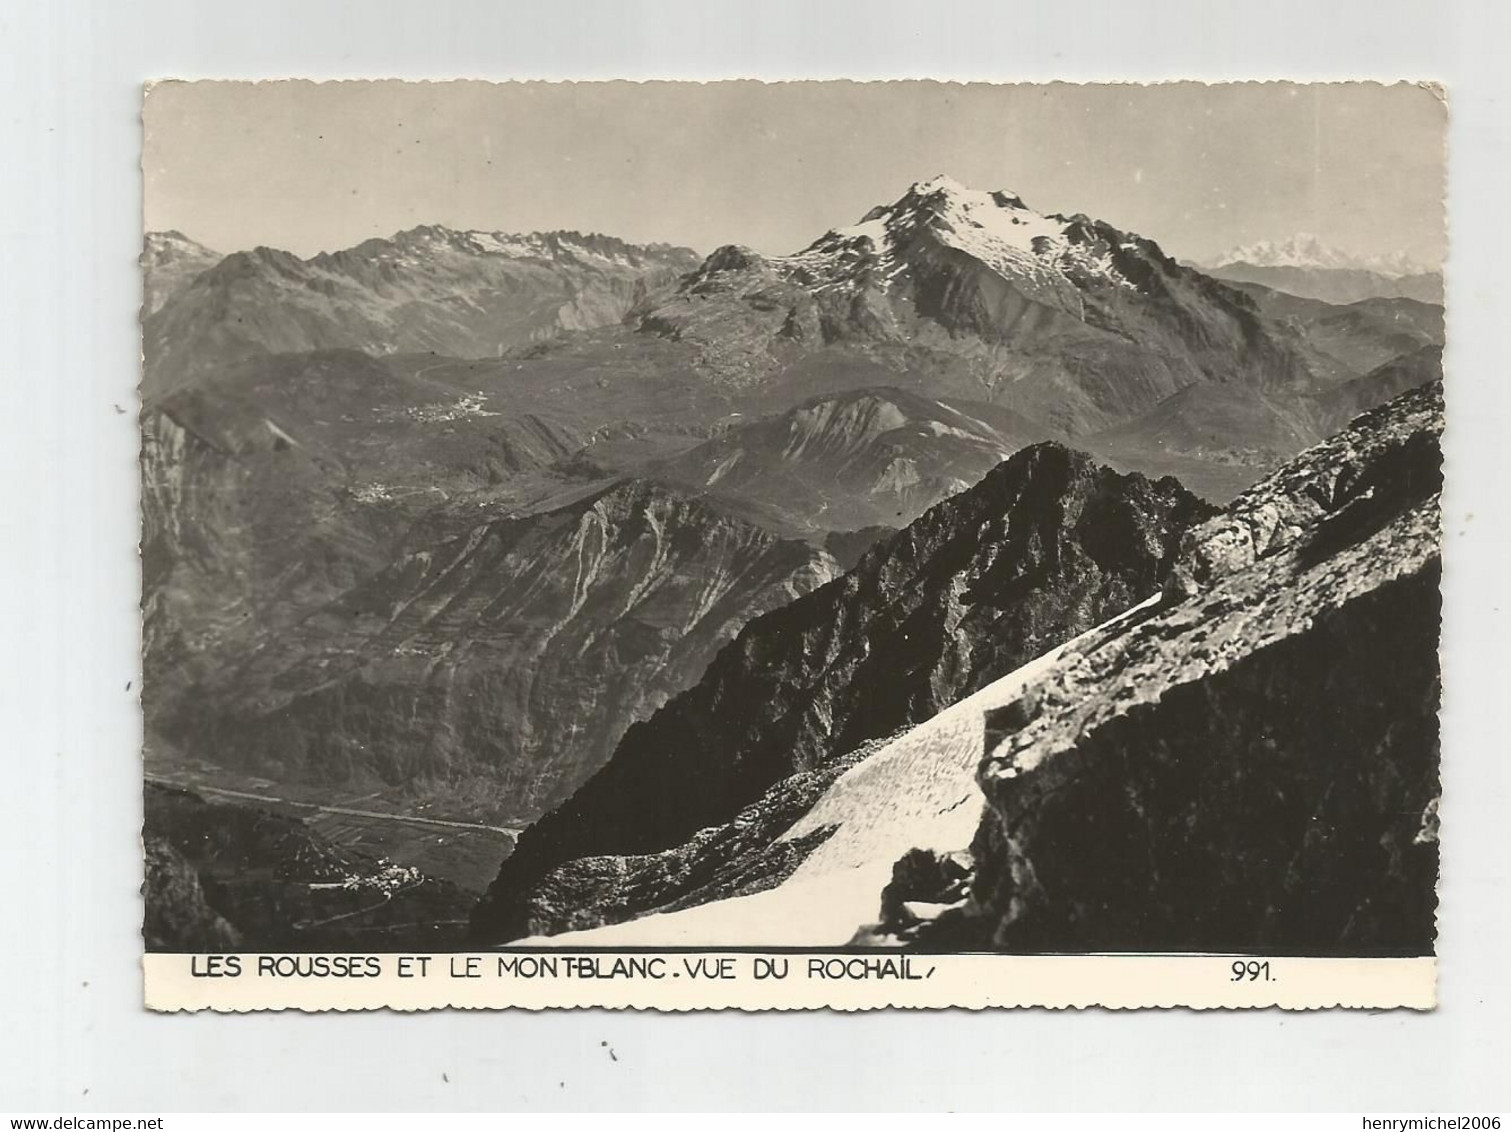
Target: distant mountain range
1303, 265
426, 290
1069, 325
1305, 250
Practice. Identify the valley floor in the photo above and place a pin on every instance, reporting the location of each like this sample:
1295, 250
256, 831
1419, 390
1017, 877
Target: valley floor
463, 852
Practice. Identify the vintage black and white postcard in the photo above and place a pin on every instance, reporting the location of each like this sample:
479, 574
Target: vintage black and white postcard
791, 545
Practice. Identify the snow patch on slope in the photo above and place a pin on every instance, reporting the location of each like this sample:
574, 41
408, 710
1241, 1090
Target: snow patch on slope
917, 792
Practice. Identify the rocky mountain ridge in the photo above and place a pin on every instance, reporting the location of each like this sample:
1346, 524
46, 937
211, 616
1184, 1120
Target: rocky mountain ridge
426, 290
1245, 762
1048, 544
1258, 759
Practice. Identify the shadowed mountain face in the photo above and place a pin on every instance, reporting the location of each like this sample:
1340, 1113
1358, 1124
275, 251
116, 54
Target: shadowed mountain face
1258, 762
1047, 544
508, 660
427, 290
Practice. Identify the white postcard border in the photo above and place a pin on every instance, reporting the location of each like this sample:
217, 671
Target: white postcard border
681, 980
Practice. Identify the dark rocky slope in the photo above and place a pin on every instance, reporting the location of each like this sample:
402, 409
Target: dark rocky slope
504, 664
289, 483
274, 488
1253, 768
1049, 544
177, 915
738, 857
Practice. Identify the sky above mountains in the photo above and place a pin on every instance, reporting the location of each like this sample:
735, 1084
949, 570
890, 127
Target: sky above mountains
311, 167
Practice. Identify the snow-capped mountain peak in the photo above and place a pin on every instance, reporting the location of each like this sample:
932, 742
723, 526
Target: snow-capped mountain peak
993, 227
1305, 250
939, 183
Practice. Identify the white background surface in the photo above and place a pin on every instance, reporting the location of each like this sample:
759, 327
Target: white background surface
74, 1038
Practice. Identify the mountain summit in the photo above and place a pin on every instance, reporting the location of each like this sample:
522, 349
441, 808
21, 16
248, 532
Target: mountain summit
995, 228
1066, 319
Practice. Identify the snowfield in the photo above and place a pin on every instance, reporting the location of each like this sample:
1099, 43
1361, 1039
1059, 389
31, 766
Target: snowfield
917, 792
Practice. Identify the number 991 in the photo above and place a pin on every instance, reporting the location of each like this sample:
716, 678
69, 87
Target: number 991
1250, 970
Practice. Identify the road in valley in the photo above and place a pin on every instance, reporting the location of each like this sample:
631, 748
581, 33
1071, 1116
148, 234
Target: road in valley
408, 819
